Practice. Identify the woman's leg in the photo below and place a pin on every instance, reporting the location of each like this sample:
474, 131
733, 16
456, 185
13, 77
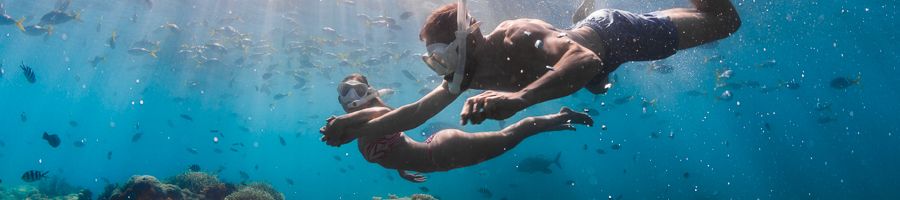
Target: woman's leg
455, 148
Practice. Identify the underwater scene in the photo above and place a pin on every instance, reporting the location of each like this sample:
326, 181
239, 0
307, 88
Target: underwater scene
412, 99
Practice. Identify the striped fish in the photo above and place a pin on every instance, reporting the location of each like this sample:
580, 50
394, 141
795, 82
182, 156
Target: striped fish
34, 175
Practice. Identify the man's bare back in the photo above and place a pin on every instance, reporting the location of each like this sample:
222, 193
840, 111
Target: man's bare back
520, 51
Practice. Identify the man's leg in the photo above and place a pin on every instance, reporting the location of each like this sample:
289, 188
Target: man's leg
708, 21
454, 148
585, 9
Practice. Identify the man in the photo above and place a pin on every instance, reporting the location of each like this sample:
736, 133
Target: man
528, 61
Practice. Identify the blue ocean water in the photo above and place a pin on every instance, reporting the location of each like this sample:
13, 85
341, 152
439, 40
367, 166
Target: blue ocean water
783, 132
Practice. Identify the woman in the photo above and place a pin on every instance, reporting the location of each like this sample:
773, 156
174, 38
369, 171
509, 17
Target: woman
445, 150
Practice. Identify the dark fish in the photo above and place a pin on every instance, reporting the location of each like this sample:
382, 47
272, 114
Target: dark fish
281, 140
58, 17
584, 148
823, 106
601, 151
686, 175
38, 30
725, 96
187, 117
844, 82
136, 137
109, 155
824, 119
767, 64
661, 68
218, 151
791, 85
405, 15
52, 139
623, 100
80, 143
111, 42
34, 175
654, 134
616, 146
338, 158
73, 123
192, 150
289, 181
536, 164
194, 168
424, 189
409, 75
267, 75
244, 175
233, 149
28, 73
23, 117
280, 96
485, 193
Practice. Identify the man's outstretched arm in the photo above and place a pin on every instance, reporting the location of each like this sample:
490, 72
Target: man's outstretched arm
575, 68
708, 21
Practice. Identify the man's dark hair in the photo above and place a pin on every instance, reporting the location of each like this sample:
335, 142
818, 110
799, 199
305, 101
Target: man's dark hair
440, 25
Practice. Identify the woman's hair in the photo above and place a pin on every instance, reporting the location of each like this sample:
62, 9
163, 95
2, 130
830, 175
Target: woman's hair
357, 77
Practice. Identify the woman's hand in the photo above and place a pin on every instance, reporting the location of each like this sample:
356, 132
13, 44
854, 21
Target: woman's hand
334, 132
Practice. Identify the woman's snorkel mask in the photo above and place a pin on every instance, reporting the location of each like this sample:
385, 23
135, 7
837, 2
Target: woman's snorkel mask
446, 59
354, 93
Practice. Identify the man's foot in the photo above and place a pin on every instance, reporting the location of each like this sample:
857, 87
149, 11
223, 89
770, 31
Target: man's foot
569, 117
583, 10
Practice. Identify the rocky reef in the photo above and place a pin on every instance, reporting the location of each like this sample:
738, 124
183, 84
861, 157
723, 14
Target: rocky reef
189, 186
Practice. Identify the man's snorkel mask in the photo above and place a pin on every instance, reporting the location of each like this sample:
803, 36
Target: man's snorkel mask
446, 59
354, 94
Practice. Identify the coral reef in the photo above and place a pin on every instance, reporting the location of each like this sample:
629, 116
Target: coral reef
32, 192
148, 187
189, 186
248, 193
184, 186
203, 184
412, 197
256, 191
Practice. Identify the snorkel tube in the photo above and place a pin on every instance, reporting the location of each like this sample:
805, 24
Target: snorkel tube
462, 33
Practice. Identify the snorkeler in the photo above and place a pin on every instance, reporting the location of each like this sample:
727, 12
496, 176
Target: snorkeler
528, 61
445, 150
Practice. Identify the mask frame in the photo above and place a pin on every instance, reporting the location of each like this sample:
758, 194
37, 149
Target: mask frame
445, 59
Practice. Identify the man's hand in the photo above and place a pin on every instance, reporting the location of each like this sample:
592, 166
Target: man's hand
415, 178
491, 105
